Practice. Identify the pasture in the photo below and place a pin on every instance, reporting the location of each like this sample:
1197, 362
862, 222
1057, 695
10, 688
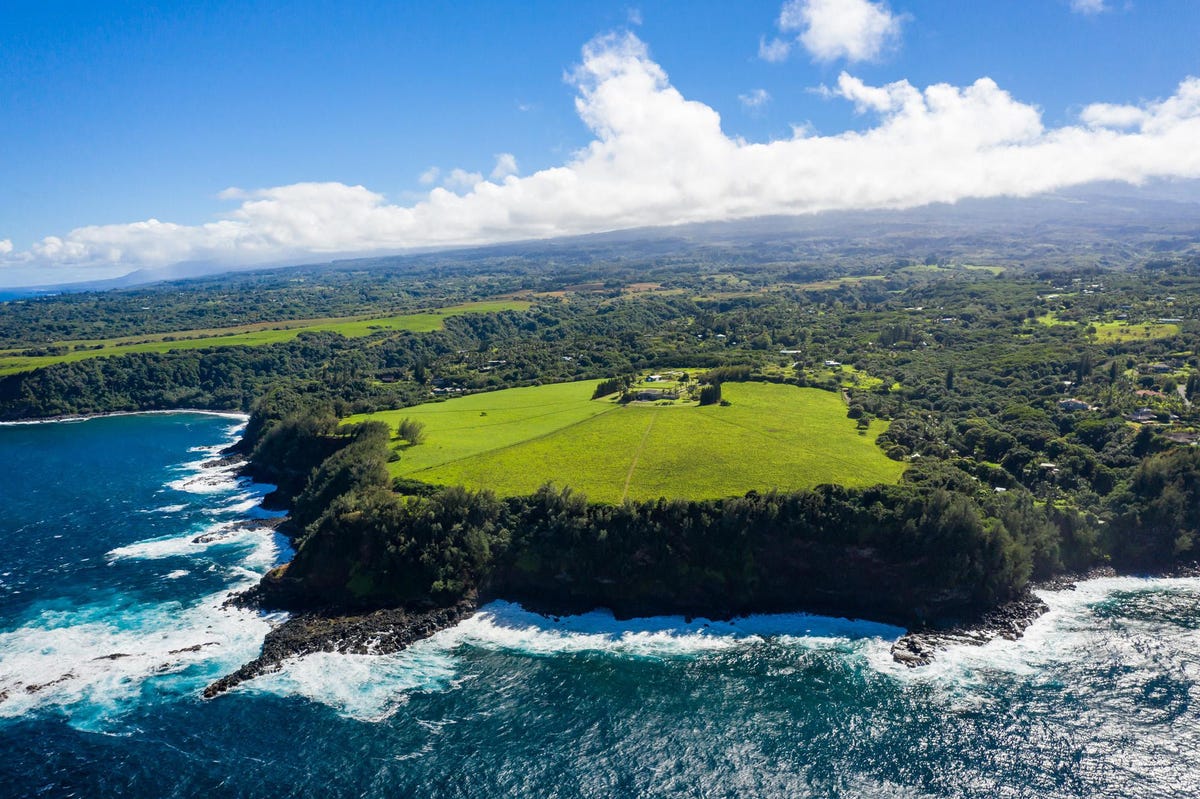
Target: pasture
513, 441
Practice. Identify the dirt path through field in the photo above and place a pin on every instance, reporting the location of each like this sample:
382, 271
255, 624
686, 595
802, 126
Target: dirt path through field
641, 445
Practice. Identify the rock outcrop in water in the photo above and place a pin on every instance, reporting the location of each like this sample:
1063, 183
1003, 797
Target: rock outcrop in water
1008, 621
378, 632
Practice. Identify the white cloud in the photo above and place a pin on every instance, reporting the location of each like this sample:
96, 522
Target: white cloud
506, 164
633, 16
461, 179
657, 158
774, 51
1089, 6
6, 246
1107, 115
755, 99
429, 176
856, 30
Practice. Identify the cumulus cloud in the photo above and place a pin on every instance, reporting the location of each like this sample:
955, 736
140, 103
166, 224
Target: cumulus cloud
6, 246
755, 99
462, 179
658, 158
776, 50
506, 164
1089, 6
429, 176
856, 30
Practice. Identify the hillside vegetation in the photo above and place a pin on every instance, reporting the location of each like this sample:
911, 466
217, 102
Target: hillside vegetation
253, 335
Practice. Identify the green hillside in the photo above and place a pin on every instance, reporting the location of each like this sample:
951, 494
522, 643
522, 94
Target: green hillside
769, 437
13, 361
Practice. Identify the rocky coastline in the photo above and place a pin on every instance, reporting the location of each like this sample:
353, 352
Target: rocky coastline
378, 632
336, 627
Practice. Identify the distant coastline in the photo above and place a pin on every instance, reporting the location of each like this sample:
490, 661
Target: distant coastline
83, 417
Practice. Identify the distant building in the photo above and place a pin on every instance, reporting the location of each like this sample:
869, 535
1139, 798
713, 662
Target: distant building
1073, 404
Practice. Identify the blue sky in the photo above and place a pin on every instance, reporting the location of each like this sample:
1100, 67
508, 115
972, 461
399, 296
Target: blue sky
116, 113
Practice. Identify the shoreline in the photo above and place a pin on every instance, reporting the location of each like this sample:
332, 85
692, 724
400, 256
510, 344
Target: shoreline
84, 417
386, 630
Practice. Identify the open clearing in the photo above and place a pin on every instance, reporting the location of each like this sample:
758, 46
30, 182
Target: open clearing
513, 441
250, 335
1111, 332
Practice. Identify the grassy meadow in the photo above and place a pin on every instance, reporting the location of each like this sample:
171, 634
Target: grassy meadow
1118, 331
769, 437
11, 361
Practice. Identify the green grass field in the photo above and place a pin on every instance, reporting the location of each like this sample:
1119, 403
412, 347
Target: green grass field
1109, 332
250, 335
1112, 332
770, 437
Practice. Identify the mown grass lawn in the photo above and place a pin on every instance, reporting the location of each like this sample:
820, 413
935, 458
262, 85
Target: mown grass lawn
769, 437
251, 335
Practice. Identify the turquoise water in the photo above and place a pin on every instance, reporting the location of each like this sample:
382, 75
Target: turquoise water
118, 550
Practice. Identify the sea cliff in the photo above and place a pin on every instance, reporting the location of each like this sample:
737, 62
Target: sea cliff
382, 563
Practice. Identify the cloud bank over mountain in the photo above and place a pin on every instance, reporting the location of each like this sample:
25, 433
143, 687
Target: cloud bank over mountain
658, 158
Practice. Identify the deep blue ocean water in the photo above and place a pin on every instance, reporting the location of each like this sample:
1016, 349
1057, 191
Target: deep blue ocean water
117, 549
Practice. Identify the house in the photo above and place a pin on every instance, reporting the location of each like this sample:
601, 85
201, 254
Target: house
654, 394
1143, 415
1073, 404
833, 364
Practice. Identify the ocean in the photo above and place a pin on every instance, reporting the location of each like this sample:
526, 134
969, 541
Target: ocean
117, 550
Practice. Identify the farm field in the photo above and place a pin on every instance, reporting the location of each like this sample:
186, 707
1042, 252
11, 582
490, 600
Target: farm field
770, 437
11, 361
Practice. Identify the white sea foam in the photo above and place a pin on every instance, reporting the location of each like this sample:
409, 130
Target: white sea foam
262, 541
370, 687
92, 662
167, 509
508, 626
1068, 632
365, 687
216, 480
373, 687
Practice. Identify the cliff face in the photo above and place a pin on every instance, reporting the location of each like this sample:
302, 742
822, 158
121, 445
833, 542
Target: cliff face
855, 583
816, 551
